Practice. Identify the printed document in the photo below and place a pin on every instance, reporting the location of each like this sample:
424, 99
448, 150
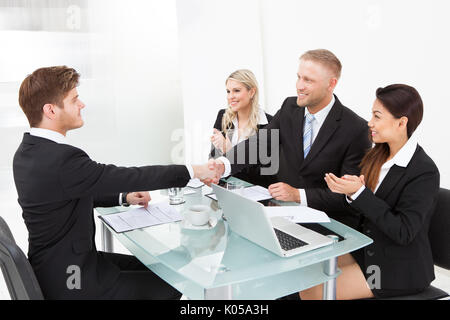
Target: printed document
142, 217
256, 193
298, 214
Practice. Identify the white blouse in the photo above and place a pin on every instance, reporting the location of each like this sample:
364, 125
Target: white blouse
401, 159
236, 139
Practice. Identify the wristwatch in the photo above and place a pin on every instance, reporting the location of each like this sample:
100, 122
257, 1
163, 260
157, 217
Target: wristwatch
124, 199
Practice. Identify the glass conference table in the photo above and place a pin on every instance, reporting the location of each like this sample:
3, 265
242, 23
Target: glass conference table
219, 264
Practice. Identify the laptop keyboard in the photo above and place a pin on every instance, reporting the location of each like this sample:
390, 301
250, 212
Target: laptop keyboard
287, 241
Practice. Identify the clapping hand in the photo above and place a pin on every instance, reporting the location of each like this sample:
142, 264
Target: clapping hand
140, 198
347, 185
220, 142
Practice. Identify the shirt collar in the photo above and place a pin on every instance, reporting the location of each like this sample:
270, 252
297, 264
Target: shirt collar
405, 154
262, 118
49, 134
322, 114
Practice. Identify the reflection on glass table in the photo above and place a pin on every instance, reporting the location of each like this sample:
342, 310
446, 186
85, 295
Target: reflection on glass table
216, 263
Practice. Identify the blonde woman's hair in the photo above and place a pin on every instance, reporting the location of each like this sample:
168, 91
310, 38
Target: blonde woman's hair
248, 79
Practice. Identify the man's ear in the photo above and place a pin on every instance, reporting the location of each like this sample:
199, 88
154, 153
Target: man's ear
49, 111
333, 83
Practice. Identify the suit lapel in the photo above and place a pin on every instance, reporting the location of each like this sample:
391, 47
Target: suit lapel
298, 120
329, 126
390, 181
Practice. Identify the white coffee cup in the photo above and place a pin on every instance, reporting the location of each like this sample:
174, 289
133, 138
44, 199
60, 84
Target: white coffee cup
198, 214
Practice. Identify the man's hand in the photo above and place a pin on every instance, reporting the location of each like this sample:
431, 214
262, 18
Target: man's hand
220, 142
284, 192
141, 198
217, 166
210, 172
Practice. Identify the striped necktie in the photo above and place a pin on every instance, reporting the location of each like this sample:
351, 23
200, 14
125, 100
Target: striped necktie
307, 134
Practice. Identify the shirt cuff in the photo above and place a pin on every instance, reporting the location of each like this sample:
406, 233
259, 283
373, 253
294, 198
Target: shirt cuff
227, 165
120, 199
303, 200
355, 195
191, 170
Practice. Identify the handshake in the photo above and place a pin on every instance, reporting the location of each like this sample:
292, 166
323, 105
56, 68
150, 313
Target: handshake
209, 173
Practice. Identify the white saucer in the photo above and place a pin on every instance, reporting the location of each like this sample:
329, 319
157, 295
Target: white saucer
187, 225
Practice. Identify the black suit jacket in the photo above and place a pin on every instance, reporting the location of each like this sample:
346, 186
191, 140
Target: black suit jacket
251, 174
58, 187
397, 218
338, 148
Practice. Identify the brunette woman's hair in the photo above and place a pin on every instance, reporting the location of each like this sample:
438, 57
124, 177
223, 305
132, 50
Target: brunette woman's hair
401, 101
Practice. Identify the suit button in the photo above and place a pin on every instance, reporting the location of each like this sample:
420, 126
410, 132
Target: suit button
370, 253
368, 231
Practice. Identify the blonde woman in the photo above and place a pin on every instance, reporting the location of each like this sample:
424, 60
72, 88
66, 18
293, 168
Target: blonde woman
242, 119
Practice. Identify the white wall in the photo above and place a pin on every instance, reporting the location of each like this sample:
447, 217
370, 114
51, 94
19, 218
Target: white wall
378, 42
135, 97
127, 54
216, 38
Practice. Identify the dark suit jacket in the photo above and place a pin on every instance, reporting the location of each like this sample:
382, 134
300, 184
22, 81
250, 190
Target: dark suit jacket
397, 218
338, 148
252, 173
58, 187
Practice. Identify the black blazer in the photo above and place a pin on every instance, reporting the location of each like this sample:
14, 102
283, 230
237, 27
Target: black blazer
251, 174
58, 187
397, 218
338, 148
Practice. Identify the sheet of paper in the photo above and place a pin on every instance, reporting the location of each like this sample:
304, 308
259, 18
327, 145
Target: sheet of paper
256, 193
187, 191
298, 214
212, 196
142, 217
195, 183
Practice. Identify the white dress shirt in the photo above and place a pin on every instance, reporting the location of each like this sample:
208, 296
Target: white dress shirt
401, 159
61, 139
319, 119
49, 134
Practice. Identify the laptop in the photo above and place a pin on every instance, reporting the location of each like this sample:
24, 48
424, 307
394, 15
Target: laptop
249, 219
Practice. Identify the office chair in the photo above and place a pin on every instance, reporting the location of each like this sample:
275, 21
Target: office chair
439, 236
17, 271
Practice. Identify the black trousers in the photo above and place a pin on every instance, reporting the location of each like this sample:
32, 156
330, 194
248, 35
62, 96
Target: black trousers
137, 282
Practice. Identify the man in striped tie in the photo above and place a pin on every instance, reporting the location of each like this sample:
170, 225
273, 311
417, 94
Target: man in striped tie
317, 135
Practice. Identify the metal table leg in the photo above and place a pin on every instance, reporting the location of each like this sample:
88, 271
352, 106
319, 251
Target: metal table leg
107, 239
331, 270
221, 293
